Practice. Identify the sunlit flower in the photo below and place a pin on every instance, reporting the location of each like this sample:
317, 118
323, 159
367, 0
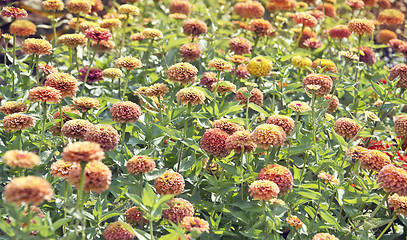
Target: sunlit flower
30, 189
190, 52
249, 9
105, 135
328, 9
195, 224
158, 89
285, 122
44, 94
324, 81
112, 73
76, 128
53, 5
129, 63
263, 190
13, 12
279, 175
301, 62
391, 17
152, 34
398, 204
227, 126
259, 66
178, 209
384, 36
223, 87
182, 72
220, 65
17, 122
133, 216
64, 82
305, 19
361, 26
356, 4
400, 125
129, 9
240, 45
346, 127
140, 164
20, 159
333, 103
125, 111
79, 6
47, 69
60, 168
400, 70
11, 107
117, 230
73, 40
98, 34
393, 179
23, 28
95, 74
169, 183
97, 176
266, 135
255, 98
180, 7
85, 103
298, 106
194, 27
294, 221
240, 140
324, 236
328, 178
36, 46
374, 160
259, 26
111, 23
190, 95
85, 25
312, 43
339, 31
208, 79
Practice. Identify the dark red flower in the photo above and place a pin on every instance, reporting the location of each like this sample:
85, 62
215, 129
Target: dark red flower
95, 74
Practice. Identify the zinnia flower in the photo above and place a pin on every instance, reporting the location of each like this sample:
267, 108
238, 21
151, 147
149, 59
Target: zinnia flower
60, 168
129, 9
340, 32
400, 70
328, 178
30, 189
11, 107
305, 19
129, 63
259, 27
249, 9
227, 126
111, 23
85, 103
13, 12
195, 224
356, 152
208, 79
125, 111
79, 6
105, 135
374, 160
263, 190
53, 5
152, 34
361, 26
83, 151
398, 204
95, 74
180, 6
98, 34
17, 122
140, 164
294, 221
223, 87
356, 4
324, 81
346, 127
76, 129
324, 236
44, 94
190, 95
22, 28
393, 179
279, 175
64, 82
190, 52
214, 142
301, 62
333, 103
384, 36
240, 45
240, 140
368, 56
47, 69
73, 40
194, 27
259, 66
220, 65
285, 122
298, 106
178, 209
97, 176
117, 230
112, 73
36, 46
267, 135
20, 159
169, 183
328, 9
391, 17
133, 216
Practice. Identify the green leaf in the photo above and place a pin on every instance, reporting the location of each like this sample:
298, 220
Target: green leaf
308, 193
148, 196
109, 215
258, 109
60, 222
162, 200
330, 219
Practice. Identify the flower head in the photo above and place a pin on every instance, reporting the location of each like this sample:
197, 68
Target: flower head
279, 175
324, 81
112, 73
129, 63
190, 52
339, 32
140, 164
220, 65
249, 9
11, 107
95, 74
356, 4
117, 230
20, 159
328, 178
85, 25
190, 95
240, 140
227, 126
361, 26
64, 82
374, 160
158, 90
356, 152
44, 94
325, 64
333, 103
13, 12
169, 183
285, 122
180, 7
129, 9
178, 16
208, 79
393, 179
241, 72
398, 204
133, 216
98, 34
22, 28
125, 111
400, 125
305, 19
240, 45
111, 23
391, 17
97, 176
53, 5
301, 62
83, 151
76, 129
182, 72
384, 36
214, 142
298, 106
266, 135
73, 40
324, 236
346, 127
85, 103
195, 224
263, 190
17, 122
223, 87
294, 221
60, 168
105, 135
259, 66
47, 69
259, 27
194, 27
178, 209
400, 70
79, 6
37, 46
28, 189
368, 56
150, 33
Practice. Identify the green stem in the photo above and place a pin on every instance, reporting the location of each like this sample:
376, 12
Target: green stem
38, 70
124, 34
314, 140
398, 147
20, 140
184, 135
265, 218
151, 229
61, 115
355, 87
201, 174
247, 114
120, 92
77, 22
255, 45
89, 67
126, 83
14, 62
54, 28
299, 37
44, 119
123, 137
385, 229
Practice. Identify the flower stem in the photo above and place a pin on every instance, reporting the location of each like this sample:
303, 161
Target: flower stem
89, 67
123, 137
77, 22
201, 174
54, 28
299, 37
126, 83
151, 229
355, 87
184, 135
14, 62
247, 114
44, 119
124, 34
38, 70
62, 120
398, 147
385, 229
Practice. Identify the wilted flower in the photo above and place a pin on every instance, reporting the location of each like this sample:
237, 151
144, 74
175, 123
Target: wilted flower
260, 66
263, 190
13, 12
64, 82
240, 140
169, 183
361, 26
266, 135
140, 164
298, 106
97, 176
180, 7
11, 107
17, 122
190, 52
20, 159
279, 175
22, 28
346, 127
60, 168
36, 46
79, 6
294, 221
194, 27
105, 135
95, 74
178, 209
240, 45
117, 230
30, 189
214, 142
129, 63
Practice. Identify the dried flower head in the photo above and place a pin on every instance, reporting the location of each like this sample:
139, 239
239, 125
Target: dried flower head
220, 65
182, 72
324, 236
194, 27
73, 40
285, 122
328, 178
178, 209
346, 127
263, 190
112, 73
259, 27
95, 74
64, 82
400, 70
30, 189
190, 95
195, 224
17, 122
361, 26
76, 128
213, 142
240, 140
391, 17
240, 45
36, 46
298, 106
301, 62
129, 63
105, 135
79, 6
384, 36
22, 28
266, 135
249, 9
398, 204
10, 107
20, 159
324, 81
180, 6
393, 179
44, 94
140, 164
133, 216
117, 230
60, 168
53, 5
111, 23
255, 98
13, 12
97, 176
169, 183
259, 66
279, 175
